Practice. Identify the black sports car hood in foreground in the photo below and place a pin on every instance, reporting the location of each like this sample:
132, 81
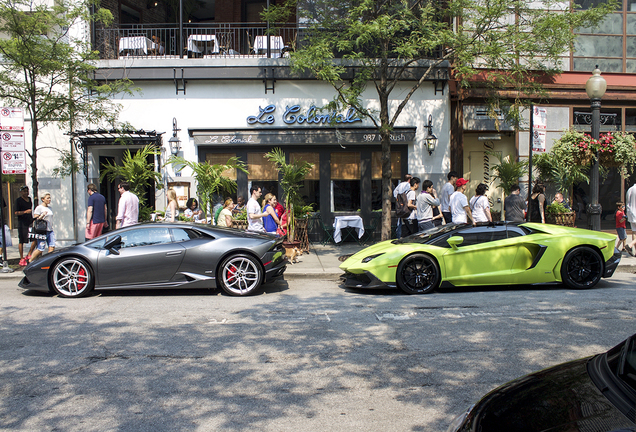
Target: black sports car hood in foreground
559, 399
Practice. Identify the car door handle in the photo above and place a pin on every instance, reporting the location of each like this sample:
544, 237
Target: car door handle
173, 253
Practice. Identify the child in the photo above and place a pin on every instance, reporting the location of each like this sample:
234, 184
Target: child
620, 225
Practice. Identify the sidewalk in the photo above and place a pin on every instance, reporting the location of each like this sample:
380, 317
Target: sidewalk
321, 262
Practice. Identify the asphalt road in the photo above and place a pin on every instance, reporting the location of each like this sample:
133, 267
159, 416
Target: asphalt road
301, 356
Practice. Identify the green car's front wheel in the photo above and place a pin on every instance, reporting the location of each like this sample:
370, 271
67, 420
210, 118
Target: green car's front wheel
418, 274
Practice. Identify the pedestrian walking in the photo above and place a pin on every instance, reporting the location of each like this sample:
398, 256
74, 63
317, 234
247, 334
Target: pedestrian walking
128, 209
172, 210
479, 204
401, 188
44, 212
537, 204
409, 224
630, 203
620, 225
254, 212
426, 201
458, 206
270, 220
515, 206
96, 213
24, 212
447, 191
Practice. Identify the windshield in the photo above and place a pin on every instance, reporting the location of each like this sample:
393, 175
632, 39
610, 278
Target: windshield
425, 236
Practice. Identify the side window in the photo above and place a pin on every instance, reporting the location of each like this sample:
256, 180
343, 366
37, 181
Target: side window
514, 231
181, 234
145, 237
482, 234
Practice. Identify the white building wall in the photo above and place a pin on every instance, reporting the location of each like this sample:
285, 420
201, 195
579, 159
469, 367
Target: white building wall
227, 104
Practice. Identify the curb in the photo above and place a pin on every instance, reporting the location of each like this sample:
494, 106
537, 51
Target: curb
311, 275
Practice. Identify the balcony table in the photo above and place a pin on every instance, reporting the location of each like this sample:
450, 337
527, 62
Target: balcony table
275, 44
136, 44
341, 222
203, 44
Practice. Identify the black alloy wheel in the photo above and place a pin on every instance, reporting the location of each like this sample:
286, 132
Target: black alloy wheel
582, 268
418, 274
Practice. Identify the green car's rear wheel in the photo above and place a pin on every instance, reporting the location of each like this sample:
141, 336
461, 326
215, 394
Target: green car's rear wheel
418, 274
582, 268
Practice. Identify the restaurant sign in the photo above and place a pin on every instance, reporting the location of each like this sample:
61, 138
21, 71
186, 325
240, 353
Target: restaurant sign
295, 136
312, 116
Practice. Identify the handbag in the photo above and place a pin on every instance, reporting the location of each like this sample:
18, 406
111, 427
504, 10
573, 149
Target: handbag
39, 226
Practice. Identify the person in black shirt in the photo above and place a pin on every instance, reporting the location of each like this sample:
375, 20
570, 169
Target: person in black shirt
24, 208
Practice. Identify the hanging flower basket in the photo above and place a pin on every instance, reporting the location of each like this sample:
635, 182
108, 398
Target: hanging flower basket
614, 149
608, 160
583, 158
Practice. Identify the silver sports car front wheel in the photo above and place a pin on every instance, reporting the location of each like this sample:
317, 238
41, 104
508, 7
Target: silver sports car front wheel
72, 277
240, 275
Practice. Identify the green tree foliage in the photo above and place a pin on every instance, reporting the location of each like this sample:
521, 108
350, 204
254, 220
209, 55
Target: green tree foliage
385, 45
136, 170
49, 72
292, 175
508, 172
210, 179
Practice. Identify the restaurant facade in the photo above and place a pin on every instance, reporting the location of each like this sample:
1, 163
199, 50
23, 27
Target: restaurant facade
215, 118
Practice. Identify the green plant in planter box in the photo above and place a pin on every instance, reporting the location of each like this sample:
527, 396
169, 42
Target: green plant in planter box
242, 215
556, 208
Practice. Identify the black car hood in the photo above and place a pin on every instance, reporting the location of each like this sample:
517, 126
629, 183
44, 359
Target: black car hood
558, 399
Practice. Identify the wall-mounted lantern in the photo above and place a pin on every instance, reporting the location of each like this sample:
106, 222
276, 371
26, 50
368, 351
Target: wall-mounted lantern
174, 141
431, 139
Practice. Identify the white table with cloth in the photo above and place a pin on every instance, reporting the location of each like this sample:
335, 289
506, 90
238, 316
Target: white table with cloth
203, 43
341, 222
136, 44
275, 45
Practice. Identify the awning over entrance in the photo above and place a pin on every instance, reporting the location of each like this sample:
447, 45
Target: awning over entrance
83, 139
295, 136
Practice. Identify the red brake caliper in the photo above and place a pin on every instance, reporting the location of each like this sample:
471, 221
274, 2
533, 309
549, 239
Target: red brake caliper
81, 280
230, 274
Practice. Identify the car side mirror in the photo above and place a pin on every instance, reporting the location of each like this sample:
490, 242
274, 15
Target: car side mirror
455, 241
112, 244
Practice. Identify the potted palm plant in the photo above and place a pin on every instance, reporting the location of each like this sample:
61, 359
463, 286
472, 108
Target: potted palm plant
291, 177
209, 178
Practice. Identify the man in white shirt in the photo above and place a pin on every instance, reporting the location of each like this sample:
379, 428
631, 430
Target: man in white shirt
128, 208
254, 212
444, 198
630, 207
401, 188
409, 225
459, 207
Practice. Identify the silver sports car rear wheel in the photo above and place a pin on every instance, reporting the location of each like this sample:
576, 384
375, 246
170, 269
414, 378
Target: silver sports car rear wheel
240, 275
582, 268
418, 274
72, 277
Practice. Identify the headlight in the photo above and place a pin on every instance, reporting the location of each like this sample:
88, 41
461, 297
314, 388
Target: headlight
458, 421
370, 257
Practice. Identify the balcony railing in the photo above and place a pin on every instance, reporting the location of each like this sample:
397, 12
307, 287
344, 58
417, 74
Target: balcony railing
196, 40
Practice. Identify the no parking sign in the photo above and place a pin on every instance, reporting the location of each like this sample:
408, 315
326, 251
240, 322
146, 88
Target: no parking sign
14, 162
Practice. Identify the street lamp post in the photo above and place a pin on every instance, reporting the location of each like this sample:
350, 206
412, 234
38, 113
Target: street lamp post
595, 89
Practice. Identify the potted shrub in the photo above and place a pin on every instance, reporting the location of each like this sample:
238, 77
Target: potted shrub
557, 214
209, 178
291, 177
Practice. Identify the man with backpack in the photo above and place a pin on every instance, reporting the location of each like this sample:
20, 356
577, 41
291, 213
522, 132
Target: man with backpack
401, 188
406, 206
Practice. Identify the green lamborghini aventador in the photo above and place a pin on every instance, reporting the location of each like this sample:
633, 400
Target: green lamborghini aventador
499, 253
